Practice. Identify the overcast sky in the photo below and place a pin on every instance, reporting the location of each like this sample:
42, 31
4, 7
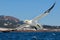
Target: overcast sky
28, 9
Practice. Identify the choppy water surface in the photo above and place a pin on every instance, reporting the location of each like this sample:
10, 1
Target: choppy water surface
30, 36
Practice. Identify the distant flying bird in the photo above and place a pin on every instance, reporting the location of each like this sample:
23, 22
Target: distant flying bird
11, 23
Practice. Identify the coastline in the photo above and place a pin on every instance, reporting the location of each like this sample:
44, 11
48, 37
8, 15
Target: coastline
41, 30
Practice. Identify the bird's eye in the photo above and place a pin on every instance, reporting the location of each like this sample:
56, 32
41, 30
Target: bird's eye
26, 21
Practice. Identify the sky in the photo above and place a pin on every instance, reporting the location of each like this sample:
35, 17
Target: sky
29, 9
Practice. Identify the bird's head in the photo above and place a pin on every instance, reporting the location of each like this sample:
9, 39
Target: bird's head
28, 21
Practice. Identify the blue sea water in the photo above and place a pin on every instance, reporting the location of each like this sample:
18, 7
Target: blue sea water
29, 35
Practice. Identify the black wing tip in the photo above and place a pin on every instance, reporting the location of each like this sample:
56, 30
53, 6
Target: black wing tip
50, 8
54, 3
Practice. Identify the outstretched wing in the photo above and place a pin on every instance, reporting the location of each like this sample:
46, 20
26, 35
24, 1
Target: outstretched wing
44, 14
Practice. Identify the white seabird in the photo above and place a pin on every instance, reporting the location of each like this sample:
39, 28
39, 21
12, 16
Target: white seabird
34, 22
10, 23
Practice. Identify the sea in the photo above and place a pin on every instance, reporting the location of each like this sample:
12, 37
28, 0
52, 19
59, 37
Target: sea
29, 35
